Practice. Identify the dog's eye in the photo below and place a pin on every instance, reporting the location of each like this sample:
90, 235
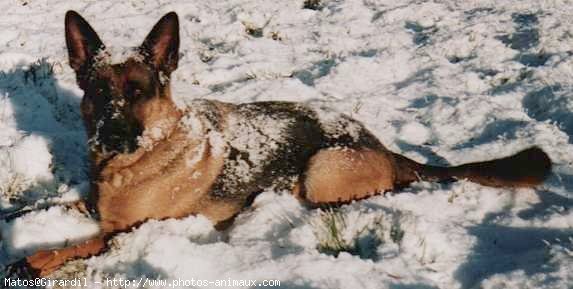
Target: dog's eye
133, 90
134, 93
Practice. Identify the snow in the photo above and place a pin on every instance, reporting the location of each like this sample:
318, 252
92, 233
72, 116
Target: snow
155, 133
414, 133
32, 159
115, 55
445, 82
22, 234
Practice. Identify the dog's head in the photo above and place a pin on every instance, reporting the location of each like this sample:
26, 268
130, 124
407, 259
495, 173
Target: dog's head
122, 99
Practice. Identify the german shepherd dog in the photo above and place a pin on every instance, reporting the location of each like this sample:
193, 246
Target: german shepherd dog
151, 160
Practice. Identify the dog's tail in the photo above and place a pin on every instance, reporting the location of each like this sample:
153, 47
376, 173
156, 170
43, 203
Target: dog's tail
527, 168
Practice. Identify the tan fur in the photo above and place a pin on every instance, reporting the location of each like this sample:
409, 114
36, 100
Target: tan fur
159, 183
341, 175
46, 261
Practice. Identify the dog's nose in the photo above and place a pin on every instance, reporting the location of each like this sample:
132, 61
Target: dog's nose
117, 135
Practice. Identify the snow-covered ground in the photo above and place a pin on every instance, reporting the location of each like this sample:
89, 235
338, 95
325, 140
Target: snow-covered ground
444, 82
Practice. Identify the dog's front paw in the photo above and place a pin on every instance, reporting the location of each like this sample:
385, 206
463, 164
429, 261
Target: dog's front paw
45, 262
22, 270
38, 265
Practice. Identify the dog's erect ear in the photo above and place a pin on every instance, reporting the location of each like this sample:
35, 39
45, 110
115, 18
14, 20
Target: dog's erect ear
82, 41
161, 46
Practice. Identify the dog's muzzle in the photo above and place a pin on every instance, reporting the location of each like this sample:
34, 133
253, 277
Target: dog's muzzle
116, 136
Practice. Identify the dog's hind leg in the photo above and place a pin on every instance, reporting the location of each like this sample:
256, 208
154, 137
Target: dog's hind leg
341, 175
